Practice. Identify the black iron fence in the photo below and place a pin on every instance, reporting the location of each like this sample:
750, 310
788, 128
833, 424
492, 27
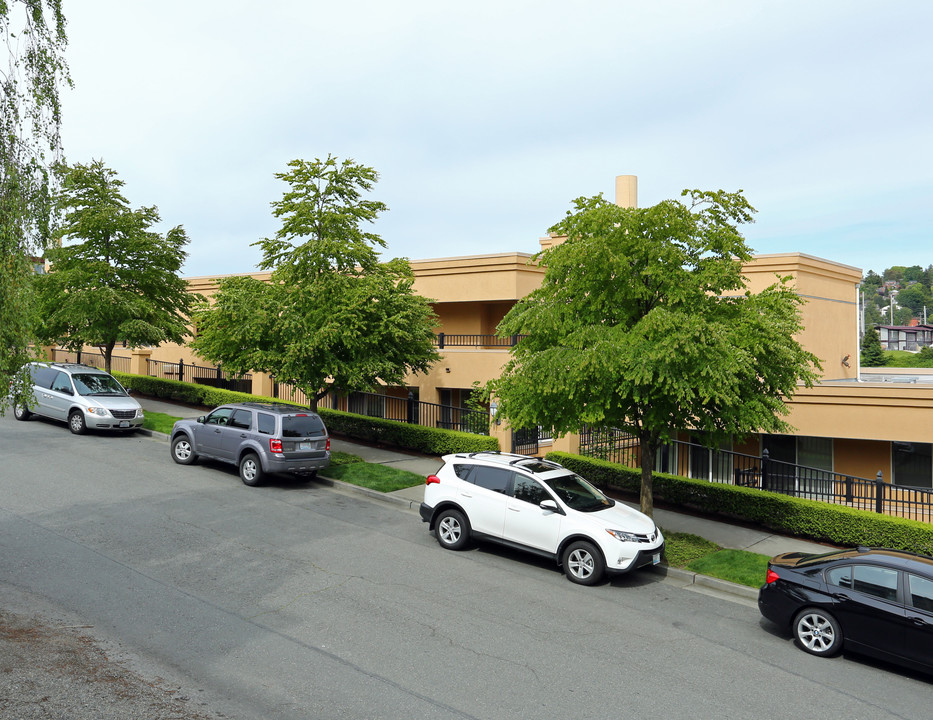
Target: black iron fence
416, 412
724, 466
189, 372
118, 363
443, 340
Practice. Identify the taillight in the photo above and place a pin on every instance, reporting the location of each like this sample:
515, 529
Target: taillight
327, 447
432, 479
275, 445
771, 577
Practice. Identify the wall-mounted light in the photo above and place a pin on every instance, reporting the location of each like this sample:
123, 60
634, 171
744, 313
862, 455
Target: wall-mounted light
447, 370
845, 361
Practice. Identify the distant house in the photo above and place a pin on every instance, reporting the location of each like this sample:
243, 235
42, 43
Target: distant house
905, 337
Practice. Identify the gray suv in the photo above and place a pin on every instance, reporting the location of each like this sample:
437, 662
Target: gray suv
258, 438
80, 395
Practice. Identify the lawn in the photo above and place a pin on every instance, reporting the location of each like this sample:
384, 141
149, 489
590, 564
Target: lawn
691, 552
159, 422
375, 477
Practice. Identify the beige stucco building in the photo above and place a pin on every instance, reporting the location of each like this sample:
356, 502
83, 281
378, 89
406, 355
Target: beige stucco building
855, 421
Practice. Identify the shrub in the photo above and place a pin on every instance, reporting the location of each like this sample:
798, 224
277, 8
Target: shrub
433, 441
824, 522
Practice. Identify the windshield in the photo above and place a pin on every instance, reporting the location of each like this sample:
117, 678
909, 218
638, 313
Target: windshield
578, 494
97, 384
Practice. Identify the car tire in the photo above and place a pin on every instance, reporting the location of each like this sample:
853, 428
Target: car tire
817, 632
583, 563
251, 469
76, 422
20, 412
452, 529
182, 451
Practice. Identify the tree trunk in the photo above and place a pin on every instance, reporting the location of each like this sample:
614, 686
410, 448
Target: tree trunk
108, 356
648, 451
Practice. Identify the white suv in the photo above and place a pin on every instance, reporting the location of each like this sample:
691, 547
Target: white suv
538, 506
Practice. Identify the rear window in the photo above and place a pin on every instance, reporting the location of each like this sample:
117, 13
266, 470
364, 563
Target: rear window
301, 425
43, 376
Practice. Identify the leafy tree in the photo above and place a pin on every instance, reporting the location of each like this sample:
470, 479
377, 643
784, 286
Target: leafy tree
873, 315
871, 282
902, 316
331, 310
30, 116
915, 297
643, 323
914, 273
120, 281
872, 354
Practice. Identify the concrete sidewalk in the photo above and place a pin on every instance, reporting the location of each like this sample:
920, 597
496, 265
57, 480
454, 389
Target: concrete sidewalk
727, 535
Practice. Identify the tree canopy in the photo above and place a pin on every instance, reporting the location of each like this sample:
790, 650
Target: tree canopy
643, 323
872, 352
331, 314
33, 33
119, 281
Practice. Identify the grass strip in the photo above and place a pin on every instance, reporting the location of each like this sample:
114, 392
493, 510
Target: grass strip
159, 422
373, 476
738, 566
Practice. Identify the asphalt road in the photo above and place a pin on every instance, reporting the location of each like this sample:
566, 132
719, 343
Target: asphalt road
297, 600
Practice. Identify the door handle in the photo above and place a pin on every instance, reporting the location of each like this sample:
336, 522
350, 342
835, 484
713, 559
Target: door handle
917, 621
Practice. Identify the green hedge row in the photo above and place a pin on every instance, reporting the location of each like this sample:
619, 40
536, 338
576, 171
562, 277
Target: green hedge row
433, 441
823, 522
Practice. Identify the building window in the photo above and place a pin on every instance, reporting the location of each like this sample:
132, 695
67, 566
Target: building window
913, 464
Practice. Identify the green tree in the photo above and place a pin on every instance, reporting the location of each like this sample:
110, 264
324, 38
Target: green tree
643, 323
872, 354
332, 314
30, 117
915, 297
871, 282
119, 282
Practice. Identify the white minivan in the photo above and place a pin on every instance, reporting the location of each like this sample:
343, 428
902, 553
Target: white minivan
80, 395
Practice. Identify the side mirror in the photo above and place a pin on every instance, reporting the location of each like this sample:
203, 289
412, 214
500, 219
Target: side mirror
550, 506
201, 419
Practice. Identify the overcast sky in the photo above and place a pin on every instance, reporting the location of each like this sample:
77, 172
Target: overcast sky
486, 119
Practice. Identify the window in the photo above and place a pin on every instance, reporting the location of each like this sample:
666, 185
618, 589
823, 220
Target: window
43, 376
869, 579
241, 419
62, 384
920, 591
220, 416
266, 423
913, 464
491, 478
298, 426
529, 490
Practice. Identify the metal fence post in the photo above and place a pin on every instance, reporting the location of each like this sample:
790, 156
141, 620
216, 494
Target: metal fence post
765, 484
411, 407
440, 341
848, 489
181, 369
879, 493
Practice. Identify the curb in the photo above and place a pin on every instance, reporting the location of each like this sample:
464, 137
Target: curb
692, 578
373, 494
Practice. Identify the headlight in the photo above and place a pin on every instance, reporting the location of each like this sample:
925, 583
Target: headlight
139, 413
98, 411
623, 536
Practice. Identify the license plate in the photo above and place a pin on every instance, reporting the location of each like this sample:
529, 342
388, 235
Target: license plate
656, 558
124, 423
306, 445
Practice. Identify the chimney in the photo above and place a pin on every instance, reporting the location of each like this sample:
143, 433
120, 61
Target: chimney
626, 197
627, 191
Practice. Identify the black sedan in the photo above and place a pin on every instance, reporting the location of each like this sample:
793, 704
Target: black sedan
869, 600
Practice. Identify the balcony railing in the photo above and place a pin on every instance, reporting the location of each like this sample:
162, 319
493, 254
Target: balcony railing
443, 340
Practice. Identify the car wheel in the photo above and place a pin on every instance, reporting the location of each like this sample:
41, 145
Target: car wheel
452, 529
20, 412
250, 470
76, 423
182, 452
818, 632
583, 563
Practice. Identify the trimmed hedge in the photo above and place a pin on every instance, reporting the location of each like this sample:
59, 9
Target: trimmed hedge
823, 522
433, 441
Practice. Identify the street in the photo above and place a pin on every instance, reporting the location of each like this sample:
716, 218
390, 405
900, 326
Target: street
300, 600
